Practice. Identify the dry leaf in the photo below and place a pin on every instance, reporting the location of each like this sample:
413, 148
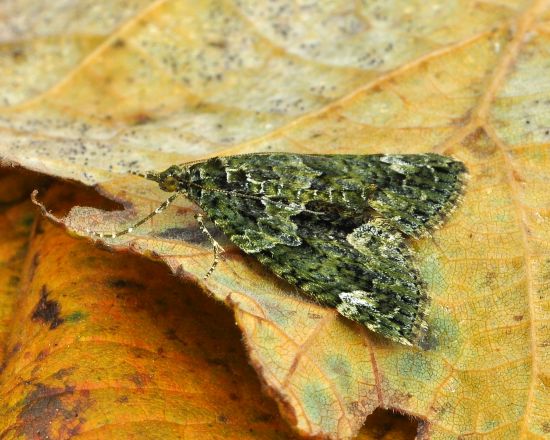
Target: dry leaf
100, 349
178, 81
107, 345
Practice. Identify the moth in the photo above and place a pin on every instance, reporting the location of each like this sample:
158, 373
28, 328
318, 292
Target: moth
335, 226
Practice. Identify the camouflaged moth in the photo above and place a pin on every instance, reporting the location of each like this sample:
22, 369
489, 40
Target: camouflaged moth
335, 226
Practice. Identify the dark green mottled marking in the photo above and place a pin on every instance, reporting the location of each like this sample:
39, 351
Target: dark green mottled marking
333, 225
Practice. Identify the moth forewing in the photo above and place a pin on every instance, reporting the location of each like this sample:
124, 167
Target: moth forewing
335, 226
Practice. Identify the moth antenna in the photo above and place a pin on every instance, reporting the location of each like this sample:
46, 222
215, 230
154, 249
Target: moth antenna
137, 173
217, 247
161, 208
146, 175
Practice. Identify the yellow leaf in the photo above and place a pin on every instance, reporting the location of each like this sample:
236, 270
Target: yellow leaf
179, 81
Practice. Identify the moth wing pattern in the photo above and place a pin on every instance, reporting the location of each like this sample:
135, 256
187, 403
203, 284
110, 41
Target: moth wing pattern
418, 191
335, 226
396, 302
366, 277
415, 192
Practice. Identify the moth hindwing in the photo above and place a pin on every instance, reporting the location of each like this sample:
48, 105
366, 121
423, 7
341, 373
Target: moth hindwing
335, 226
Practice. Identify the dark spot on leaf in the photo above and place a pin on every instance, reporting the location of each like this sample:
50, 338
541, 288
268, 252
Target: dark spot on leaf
136, 378
173, 336
441, 409
517, 176
42, 354
119, 43
28, 220
479, 143
220, 44
46, 407
518, 317
140, 379
38, 230
122, 399
263, 418
141, 118
48, 311
63, 372
13, 281
428, 341
220, 362
18, 54
222, 418
9, 354
120, 283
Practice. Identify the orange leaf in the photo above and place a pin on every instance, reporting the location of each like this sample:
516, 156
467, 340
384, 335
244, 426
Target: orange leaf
111, 345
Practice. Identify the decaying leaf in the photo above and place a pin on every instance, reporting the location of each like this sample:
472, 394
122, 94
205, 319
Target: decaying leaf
100, 350
108, 345
177, 81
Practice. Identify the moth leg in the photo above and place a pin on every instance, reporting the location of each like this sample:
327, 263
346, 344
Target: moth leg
161, 208
218, 250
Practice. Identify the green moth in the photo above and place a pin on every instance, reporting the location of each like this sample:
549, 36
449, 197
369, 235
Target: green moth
335, 226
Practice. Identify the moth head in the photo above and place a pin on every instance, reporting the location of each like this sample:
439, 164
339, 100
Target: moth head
172, 179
